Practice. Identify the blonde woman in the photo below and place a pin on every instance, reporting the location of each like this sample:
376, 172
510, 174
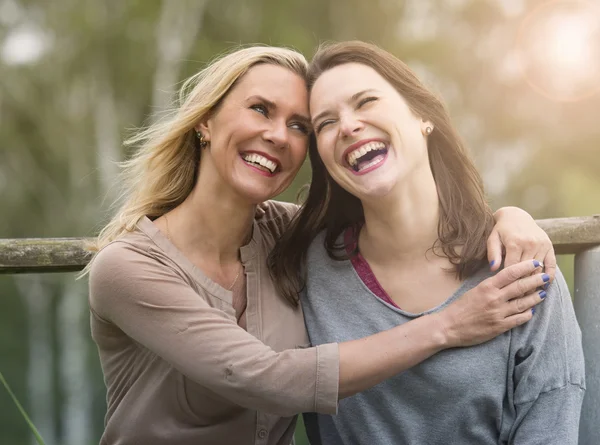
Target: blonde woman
196, 345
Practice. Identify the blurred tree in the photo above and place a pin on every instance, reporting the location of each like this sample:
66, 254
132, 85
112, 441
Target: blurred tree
76, 75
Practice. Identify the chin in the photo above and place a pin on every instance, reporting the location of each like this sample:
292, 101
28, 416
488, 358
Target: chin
373, 189
377, 192
257, 193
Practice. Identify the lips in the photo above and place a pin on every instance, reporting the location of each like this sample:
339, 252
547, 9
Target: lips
365, 155
261, 161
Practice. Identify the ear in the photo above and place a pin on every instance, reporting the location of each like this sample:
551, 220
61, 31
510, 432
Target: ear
426, 127
204, 128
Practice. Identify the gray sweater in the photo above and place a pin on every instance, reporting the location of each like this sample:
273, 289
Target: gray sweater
523, 387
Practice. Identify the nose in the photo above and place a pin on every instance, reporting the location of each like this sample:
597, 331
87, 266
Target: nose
277, 134
350, 125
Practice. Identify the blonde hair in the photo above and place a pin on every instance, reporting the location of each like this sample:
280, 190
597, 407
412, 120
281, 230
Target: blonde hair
162, 173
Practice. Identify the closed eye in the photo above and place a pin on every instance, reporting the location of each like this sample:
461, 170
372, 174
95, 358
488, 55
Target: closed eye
324, 124
367, 100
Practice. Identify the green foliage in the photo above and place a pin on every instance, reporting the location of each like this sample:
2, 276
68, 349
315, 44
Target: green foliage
64, 114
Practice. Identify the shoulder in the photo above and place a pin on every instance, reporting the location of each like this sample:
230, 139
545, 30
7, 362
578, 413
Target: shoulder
274, 217
557, 309
318, 259
558, 299
132, 248
123, 269
317, 246
272, 210
116, 261
547, 349
554, 318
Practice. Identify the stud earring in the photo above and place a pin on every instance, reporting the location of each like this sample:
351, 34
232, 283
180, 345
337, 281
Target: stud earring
428, 130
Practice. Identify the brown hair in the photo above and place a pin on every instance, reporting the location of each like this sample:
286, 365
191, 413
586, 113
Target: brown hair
465, 217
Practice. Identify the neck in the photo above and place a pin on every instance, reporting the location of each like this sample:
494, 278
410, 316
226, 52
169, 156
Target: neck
213, 221
403, 225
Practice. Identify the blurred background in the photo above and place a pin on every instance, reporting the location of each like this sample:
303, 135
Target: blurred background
521, 79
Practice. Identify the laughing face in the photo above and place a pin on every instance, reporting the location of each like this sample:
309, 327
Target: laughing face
259, 134
367, 136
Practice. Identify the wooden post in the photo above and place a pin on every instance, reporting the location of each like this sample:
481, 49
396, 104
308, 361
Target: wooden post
587, 309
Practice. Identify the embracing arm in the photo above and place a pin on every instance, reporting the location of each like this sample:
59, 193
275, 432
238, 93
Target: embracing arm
156, 307
517, 233
481, 314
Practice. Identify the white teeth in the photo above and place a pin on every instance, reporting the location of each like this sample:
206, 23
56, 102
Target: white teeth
361, 151
255, 158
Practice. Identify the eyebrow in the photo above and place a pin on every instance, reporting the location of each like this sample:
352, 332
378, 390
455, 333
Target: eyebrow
272, 105
353, 98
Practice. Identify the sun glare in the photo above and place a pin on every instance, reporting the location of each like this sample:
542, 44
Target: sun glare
559, 48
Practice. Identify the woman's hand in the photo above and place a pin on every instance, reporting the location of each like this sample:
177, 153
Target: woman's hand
522, 239
496, 305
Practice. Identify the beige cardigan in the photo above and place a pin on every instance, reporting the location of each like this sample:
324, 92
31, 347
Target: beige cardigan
178, 368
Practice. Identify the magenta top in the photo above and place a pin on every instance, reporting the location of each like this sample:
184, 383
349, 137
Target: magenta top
363, 270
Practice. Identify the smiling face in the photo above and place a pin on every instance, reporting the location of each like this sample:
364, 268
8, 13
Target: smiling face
259, 133
367, 136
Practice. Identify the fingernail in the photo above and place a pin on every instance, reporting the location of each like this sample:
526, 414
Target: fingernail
546, 278
532, 310
492, 263
546, 286
542, 295
536, 263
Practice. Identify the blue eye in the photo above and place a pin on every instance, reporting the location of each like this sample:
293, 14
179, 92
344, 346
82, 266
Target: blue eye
300, 127
260, 108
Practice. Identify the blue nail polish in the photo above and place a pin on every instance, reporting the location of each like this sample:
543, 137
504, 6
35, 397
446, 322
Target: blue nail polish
536, 263
492, 263
542, 295
546, 278
532, 310
546, 286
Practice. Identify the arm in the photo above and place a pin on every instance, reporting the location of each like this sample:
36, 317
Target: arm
517, 233
481, 314
155, 307
548, 373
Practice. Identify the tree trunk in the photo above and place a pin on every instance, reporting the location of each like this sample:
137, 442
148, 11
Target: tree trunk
178, 27
34, 290
75, 376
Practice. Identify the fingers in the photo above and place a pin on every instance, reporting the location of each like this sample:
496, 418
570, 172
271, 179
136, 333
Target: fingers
510, 274
529, 249
550, 263
514, 253
525, 285
518, 319
526, 303
494, 250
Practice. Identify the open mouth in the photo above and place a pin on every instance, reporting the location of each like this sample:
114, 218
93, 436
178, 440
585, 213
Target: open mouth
367, 156
260, 163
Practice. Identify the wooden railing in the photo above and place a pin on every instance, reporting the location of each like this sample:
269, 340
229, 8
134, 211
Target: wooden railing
579, 236
40, 255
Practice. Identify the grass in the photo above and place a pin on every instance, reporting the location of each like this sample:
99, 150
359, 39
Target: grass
32, 427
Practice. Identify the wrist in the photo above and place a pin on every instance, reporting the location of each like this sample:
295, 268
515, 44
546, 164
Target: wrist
502, 211
439, 329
